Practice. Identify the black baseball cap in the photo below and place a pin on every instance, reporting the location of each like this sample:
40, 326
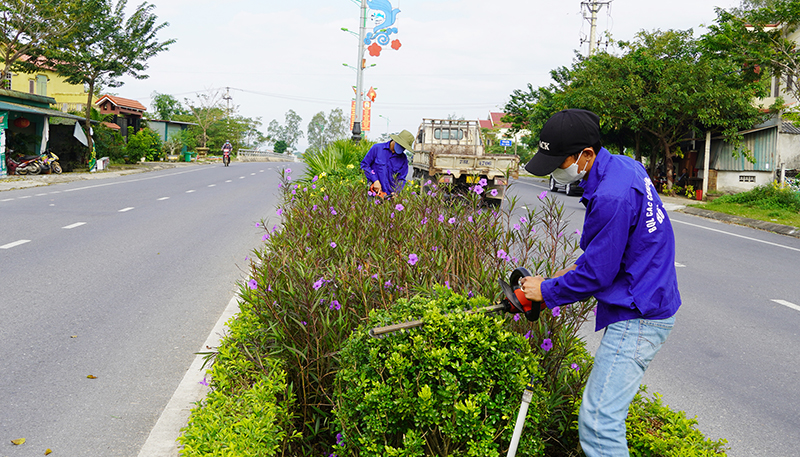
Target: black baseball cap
567, 132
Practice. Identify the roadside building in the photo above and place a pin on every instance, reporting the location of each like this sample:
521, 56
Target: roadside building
126, 112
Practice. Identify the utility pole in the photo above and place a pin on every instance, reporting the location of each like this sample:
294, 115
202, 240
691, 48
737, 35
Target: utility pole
227, 97
362, 34
593, 7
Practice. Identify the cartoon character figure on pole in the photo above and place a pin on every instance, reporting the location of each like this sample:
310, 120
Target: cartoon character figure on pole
383, 16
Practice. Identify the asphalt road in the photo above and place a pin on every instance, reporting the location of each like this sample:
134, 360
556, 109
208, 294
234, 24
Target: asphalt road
731, 360
121, 279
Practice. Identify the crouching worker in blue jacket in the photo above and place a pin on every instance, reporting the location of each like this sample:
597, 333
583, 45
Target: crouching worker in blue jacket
628, 265
386, 165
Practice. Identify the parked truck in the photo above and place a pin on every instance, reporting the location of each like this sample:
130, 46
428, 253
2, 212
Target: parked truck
451, 152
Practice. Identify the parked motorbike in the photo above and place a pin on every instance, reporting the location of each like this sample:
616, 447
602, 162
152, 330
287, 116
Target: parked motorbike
49, 162
24, 165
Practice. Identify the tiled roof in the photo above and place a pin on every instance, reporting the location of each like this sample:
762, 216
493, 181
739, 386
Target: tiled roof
495, 118
122, 102
485, 124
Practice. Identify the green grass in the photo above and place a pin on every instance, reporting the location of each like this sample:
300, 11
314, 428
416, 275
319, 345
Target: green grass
778, 216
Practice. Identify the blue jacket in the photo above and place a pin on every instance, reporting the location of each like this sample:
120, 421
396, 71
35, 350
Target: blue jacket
628, 260
386, 166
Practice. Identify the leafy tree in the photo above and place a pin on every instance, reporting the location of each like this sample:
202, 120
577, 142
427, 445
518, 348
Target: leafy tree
667, 87
167, 108
289, 133
144, 143
106, 48
207, 110
280, 147
29, 25
322, 131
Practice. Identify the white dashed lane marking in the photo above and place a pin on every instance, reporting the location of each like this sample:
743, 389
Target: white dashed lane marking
124, 210
6, 200
163, 198
787, 304
679, 265
72, 226
212, 185
190, 191
14, 244
229, 181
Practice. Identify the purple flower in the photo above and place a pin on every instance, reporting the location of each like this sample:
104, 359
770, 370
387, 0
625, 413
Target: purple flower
478, 189
469, 218
447, 284
246, 258
428, 182
412, 259
288, 170
399, 207
288, 178
318, 283
333, 211
325, 198
533, 230
375, 276
493, 192
424, 220
483, 182
387, 284
313, 186
470, 294
203, 382
314, 208
452, 220
577, 232
547, 344
516, 317
265, 237
258, 224
543, 195
315, 178
441, 218
304, 322
575, 367
501, 254
528, 335
560, 234
556, 311
280, 211
333, 245
391, 216
252, 284
339, 439
335, 305
516, 227
523, 220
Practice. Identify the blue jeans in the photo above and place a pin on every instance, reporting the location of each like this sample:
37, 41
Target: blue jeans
619, 364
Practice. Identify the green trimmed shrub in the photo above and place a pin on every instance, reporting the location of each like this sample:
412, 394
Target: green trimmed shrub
248, 412
654, 430
450, 388
144, 143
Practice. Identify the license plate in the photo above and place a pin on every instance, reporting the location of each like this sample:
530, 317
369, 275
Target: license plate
473, 179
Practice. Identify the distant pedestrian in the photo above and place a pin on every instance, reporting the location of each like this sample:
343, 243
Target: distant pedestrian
386, 165
628, 265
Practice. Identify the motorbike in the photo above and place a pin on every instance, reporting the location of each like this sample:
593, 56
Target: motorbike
226, 157
34, 165
49, 162
24, 165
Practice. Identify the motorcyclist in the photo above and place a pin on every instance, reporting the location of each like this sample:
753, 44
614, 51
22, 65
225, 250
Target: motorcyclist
226, 152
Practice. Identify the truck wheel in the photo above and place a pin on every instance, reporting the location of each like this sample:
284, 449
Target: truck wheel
553, 187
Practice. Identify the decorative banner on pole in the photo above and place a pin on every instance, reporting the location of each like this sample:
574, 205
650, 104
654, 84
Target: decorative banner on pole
366, 115
383, 16
3, 127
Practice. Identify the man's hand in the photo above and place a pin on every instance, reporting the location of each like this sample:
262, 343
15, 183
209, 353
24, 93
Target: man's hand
375, 187
532, 287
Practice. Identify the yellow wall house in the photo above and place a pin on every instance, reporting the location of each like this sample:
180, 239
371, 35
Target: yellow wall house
45, 82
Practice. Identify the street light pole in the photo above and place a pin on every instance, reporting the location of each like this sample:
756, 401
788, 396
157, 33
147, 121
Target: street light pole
387, 122
362, 34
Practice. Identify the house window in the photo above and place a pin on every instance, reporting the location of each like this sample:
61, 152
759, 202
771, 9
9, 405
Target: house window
747, 178
31, 86
41, 85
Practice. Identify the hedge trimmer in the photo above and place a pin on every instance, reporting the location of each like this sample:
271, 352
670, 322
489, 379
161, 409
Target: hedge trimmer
514, 302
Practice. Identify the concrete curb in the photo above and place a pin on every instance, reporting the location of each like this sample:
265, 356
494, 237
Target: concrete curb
162, 441
754, 223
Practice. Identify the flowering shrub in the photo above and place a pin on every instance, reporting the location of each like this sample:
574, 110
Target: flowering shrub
450, 387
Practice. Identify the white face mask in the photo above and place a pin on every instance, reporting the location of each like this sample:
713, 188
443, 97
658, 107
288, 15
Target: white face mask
570, 174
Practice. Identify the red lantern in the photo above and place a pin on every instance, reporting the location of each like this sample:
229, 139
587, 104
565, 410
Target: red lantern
21, 122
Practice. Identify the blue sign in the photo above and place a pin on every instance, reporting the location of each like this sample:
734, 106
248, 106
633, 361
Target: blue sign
383, 16
505, 142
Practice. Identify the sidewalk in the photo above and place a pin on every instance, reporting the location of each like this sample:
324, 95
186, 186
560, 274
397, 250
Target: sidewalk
23, 182
680, 204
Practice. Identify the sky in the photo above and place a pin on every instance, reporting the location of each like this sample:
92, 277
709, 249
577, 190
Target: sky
457, 57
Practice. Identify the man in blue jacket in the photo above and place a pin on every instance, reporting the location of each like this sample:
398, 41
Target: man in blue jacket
628, 265
386, 165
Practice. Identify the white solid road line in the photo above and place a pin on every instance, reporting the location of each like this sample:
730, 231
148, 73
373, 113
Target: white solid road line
736, 235
787, 304
162, 439
124, 210
72, 226
14, 244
